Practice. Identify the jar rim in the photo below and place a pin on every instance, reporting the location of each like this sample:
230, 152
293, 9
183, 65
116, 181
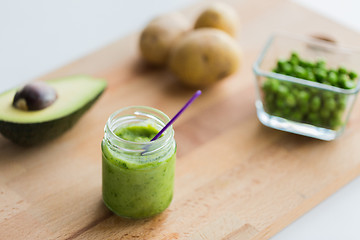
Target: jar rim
155, 114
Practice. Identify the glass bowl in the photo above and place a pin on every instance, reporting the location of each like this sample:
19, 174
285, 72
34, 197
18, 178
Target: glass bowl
293, 103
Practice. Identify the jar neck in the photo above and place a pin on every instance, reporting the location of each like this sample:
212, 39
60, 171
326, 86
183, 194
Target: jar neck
138, 116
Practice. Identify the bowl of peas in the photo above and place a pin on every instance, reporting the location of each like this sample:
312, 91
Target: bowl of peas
306, 86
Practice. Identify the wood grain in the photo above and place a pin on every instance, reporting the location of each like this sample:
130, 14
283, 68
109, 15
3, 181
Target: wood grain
235, 179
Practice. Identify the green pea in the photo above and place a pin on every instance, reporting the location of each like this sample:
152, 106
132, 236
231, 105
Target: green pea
343, 79
295, 90
332, 71
290, 100
336, 120
300, 72
326, 82
320, 63
282, 90
311, 76
287, 68
284, 67
349, 84
320, 74
330, 104
342, 70
294, 55
332, 78
271, 85
280, 63
311, 64
315, 103
352, 75
294, 59
303, 97
341, 103
313, 117
275, 85
304, 63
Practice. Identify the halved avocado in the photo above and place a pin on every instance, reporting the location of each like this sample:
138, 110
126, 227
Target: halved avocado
75, 95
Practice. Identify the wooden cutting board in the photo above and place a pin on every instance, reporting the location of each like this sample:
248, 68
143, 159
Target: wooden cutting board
235, 179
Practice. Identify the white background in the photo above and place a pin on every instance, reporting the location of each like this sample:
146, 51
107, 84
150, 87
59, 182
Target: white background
38, 36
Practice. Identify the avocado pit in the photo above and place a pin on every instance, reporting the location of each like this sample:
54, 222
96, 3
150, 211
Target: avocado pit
34, 96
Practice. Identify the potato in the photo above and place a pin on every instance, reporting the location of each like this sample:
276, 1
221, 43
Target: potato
159, 35
204, 56
221, 16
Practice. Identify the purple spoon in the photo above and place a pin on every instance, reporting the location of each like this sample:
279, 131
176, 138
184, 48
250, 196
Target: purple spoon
198, 92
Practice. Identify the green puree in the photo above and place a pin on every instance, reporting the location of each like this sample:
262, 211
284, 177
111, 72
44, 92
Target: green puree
135, 186
137, 133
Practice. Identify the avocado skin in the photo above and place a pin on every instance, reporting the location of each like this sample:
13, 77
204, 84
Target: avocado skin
30, 134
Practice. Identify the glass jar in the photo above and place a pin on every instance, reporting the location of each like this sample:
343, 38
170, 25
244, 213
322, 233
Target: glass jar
137, 176
295, 104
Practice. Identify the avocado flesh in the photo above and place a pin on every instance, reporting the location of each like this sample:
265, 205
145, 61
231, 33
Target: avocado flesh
75, 96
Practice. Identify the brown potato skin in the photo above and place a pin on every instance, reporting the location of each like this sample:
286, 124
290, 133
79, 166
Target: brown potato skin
159, 35
204, 56
220, 16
